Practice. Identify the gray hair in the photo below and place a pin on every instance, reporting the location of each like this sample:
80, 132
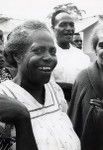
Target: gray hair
95, 36
18, 41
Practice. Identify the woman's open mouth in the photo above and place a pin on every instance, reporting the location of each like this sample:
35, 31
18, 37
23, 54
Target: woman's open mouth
45, 69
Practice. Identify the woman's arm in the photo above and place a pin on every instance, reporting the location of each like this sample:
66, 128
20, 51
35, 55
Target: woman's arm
24, 135
14, 112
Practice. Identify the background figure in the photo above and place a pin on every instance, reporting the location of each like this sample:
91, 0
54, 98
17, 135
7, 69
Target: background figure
1, 40
77, 40
70, 59
4, 71
30, 48
89, 85
1, 50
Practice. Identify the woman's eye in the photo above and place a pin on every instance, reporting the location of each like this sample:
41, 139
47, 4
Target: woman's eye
53, 51
38, 51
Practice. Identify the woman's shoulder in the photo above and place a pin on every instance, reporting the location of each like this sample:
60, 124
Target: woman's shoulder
82, 75
82, 79
4, 87
59, 95
56, 88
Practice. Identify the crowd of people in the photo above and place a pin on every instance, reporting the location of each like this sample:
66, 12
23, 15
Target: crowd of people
50, 93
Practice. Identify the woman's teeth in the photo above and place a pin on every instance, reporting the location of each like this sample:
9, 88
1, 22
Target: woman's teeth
44, 68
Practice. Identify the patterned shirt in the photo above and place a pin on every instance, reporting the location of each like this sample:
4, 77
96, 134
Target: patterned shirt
5, 75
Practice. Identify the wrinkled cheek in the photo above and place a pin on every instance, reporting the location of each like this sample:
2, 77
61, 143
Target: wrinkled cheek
32, 66
59, 33
34, 60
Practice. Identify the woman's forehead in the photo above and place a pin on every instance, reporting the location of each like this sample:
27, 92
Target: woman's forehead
41, 35
38, 37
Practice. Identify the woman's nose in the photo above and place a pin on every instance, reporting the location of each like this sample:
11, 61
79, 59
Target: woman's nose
47, 56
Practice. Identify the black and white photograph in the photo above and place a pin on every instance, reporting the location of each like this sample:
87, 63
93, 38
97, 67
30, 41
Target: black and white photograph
51, 75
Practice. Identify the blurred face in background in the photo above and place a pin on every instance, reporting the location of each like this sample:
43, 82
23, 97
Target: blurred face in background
64, 28
99, 49
77, 41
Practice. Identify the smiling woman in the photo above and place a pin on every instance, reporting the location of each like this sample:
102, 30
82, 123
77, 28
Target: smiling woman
30, 48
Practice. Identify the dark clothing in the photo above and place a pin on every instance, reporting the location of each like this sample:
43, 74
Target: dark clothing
67, 88
88, 85
92, 135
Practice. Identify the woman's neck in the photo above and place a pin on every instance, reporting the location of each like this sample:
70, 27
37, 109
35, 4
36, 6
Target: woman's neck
36, 90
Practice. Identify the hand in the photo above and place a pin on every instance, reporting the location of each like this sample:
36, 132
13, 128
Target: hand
12, 111
96, 102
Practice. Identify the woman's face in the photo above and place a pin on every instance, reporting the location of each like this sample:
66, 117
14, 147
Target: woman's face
40, 59
99, 50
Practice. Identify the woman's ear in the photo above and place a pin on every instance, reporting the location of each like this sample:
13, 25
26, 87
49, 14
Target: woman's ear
18, 59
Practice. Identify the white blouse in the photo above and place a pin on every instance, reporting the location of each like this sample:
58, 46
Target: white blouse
52, 127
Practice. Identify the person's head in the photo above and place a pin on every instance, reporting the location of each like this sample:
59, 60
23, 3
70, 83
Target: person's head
1, 38
77, 41
63, 27
2, 62
30, 48
97, 42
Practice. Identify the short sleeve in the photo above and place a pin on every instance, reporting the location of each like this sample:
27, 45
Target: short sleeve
60, 95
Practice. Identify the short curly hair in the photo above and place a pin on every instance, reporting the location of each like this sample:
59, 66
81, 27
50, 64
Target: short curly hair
54, 14
95, 36
18, 41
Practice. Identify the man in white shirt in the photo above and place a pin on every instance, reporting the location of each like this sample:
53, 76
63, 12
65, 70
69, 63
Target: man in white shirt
71, 60
70, 63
